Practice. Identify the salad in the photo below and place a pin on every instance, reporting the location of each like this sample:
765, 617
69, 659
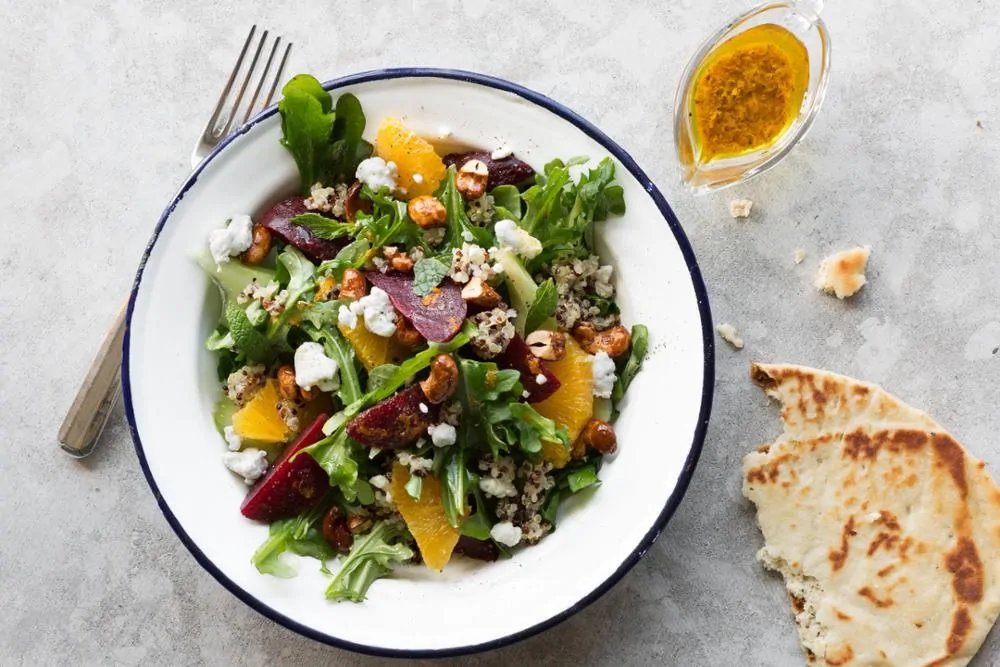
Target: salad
420, 355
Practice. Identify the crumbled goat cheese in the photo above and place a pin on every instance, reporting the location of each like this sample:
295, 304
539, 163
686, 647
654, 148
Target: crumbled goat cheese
435, 236
380, 482
377, 311
347, 318
314, 369
471, 261
418, 178
242, 383
800, 255
604, 374
496, 488
843, 273
740, 208
383, 497
423, 408
376, 173
541, 379
577, 283
418, 466
249, 464
467, 236
327, 200
480, 210
442, 435
504, 151
727, 332
232, 439
506, 534
494, 331
510, 235
231, 241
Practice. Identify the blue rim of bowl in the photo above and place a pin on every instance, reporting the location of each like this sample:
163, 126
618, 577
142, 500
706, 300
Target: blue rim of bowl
687, 471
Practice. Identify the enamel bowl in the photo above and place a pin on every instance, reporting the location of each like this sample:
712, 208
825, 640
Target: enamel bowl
170, 386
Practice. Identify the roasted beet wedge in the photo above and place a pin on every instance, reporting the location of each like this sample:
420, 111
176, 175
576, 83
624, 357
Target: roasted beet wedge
278, 219
519, 357
291, 486
505, 171
398, 421
478, 549
437, 316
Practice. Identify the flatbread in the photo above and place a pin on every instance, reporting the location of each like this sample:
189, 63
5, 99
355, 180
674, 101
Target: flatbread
886, 531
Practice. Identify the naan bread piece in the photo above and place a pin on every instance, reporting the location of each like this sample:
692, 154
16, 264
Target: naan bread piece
886, 531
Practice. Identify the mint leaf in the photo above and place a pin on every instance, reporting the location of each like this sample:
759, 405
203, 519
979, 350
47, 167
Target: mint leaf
543, 307
246, 340
428, 274
372, 556
324, 227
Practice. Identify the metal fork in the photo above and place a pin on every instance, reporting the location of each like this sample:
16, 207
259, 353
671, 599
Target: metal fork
87, 416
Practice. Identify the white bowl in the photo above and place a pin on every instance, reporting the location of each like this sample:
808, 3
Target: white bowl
170, 387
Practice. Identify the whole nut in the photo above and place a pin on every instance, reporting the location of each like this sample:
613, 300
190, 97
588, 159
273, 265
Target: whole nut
353, 285
355, 203
547, 345
260, 245
401, 262
600, 435
443, 380
359, 523
427, 212
614, 341
286, 383
479, 292
335, 530
472, 178
406, 334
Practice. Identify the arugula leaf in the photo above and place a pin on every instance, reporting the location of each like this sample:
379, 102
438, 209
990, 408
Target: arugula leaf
378, 376
543, 307
251, 343
506, 202
347, 149
575, 477
306, 125
351, 256
637, 354
372, 556
458, 222
324, 227
582, 478
428, 274
454, 486
340, 350
477, 526
534, 428
284, 536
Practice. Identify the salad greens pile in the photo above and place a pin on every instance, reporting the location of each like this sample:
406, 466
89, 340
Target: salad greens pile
333, 399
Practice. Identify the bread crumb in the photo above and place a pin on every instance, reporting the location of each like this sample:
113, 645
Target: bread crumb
740, 208
843, 273
728, 333
800, 255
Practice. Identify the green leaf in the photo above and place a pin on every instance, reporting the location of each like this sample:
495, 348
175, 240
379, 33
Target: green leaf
296, 273
582, 478
324, 227
306, 125
248, 341
348, 148
637, 354
458, 222
428, 274
478, 525
351, 256
222, 415
534, 428
233, 276
372, 556
284, 536
414, 486
340, 350
219, 340
508, 198
454, 487
364, 491
380, 375
335, 457
543, 307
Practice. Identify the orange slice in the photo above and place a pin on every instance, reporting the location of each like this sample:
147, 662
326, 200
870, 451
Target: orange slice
413, 155
572, 404
259, 420
373, 350
425, 518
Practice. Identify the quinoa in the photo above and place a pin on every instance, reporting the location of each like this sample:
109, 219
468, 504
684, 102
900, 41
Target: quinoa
327, 200
243, 383
480, 211
471, 261
580, 285
494, 331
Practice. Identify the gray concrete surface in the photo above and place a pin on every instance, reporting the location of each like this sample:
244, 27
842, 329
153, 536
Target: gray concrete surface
102, 101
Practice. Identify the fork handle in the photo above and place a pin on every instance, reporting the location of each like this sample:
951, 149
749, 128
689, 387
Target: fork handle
91, 408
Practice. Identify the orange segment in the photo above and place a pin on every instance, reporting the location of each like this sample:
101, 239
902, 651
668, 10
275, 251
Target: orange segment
555, 453
373, 350
259, 420
425, 518
572, 404
412, 155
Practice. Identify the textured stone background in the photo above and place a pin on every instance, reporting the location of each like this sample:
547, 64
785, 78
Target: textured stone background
102, 101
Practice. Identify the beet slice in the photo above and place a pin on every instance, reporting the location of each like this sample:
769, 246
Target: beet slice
398, 421
437, 316
278, 219
519, 357
478, 549
505, 171
291, 486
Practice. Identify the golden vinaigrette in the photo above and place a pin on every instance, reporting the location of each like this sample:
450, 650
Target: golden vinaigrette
748, 92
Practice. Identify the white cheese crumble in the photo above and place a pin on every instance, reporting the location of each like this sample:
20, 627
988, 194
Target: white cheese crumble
442, 435
604, 374
314, 369
232, 439
506, 534
471, 261
497, 488
423, 408
249, 464
376, 173
843, 273
347, 318
231, 241
740, 208
504, 151
418, 178
541, 379
800, 255
727, 332
383, 497
510, 235
418, 466
377, 311
467, 236
380, 482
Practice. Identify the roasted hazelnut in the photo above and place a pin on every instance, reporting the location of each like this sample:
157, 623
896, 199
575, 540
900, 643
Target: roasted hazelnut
286, 383
353, 285
600, 435
335, 530
260, 246
427, 212
614, 341
359, 523
479, 292
443, 380
472, 178
547, 345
